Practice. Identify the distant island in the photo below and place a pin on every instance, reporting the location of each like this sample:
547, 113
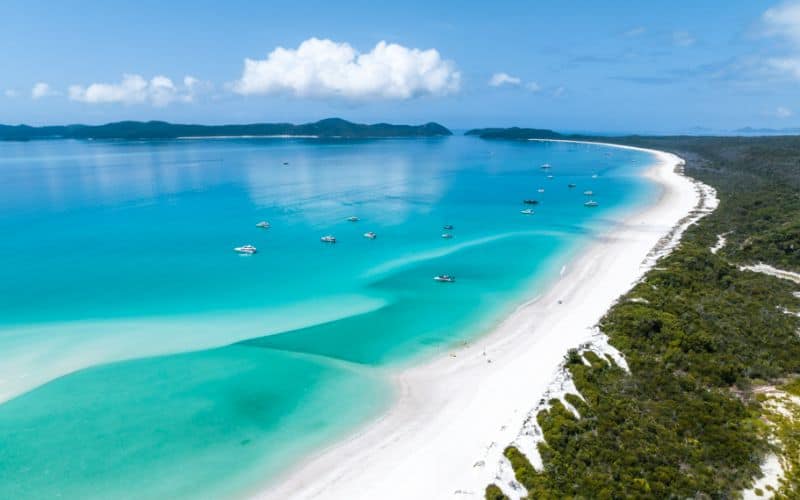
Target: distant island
328, 128
515, 133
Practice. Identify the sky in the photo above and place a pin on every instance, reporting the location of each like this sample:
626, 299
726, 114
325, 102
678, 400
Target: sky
614, 66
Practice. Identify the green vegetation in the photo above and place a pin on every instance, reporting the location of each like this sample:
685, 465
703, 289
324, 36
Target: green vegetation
686, 421
329, 128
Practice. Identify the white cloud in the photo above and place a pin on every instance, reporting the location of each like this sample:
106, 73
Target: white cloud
42, 89
783, 112
682, 39
11, 93
324, 68
500, 79
637, 31
559, 91
503, 79
533, 87
135, 89
783, 22
786, 65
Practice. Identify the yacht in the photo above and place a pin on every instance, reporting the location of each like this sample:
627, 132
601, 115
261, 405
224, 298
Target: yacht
447, 236
246, 249
527, 211
530, 202
549, 176
594, 176
370, 235
263, 224
541, 190
590, 203
545, 166
448, 227
328, 239
353, 219
445, 278
588, 193
571, 185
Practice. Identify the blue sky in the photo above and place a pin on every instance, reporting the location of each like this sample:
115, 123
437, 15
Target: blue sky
658, 66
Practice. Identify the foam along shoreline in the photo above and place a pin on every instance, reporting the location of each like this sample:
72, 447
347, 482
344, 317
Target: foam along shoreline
444, 435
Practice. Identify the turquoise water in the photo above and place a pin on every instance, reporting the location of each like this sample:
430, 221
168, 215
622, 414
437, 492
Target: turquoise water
141, 357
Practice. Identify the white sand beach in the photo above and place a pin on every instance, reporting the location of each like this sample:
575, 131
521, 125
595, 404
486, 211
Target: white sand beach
454, 415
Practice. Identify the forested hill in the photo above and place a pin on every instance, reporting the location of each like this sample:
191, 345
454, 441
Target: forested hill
329, 128
516, 133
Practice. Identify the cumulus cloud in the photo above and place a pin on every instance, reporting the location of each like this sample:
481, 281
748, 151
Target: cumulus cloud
682, 39
783, 112
135, 89
500, 79
324, 68
42, 89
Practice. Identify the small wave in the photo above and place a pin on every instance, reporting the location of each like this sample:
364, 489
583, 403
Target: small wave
408, 260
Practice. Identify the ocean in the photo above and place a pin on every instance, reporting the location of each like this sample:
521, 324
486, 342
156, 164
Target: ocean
141, 357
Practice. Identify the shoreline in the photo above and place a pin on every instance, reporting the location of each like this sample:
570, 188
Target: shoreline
487, 390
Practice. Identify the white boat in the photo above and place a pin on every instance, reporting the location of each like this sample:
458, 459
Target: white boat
353, 219
541, 190
594, 176
328, 239
370, 235
549, 176
527, 211
545, 166
445, 278
590, 203
448, 227
246, 249
263, 224
588, 193
447, 236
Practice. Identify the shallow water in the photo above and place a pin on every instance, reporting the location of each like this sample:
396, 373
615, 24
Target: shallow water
141, 357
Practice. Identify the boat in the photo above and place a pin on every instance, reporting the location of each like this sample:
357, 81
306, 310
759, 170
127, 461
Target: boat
590, 203
328, 239
527, 211
571, 185
448, 227
246, 249
353, 219
286, 163
588, 193
549, 176
594, 176
545, 166
370, 235
530, 202
445, 278
263, 224
447, 236
541, 190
